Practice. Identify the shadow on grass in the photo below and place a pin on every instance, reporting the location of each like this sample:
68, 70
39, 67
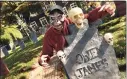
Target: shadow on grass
108, 24
122, 36
112, 23
120, 55
21, 57
120, 48
17, 68
122, 67
22, 77
114, 29
25, 69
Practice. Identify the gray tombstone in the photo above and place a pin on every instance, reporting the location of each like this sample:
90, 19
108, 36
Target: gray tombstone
4, 50
89, 56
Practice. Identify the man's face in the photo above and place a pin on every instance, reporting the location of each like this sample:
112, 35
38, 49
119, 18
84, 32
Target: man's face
57, 20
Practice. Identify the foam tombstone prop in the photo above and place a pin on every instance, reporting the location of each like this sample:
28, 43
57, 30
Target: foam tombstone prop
88, 56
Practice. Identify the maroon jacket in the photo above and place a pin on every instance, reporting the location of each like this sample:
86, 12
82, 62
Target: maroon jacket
54, 39
3, 68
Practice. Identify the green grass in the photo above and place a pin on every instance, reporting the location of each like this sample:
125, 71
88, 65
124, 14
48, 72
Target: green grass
123, 75
19, 59
116, 26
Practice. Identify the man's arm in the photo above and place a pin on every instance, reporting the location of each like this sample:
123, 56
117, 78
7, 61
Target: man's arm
99, 12
47, 51
94, 15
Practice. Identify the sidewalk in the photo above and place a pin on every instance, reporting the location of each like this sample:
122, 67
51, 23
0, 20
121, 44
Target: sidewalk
36, 73
40, 72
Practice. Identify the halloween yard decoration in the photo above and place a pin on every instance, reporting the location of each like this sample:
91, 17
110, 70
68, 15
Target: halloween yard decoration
108, 38
85, 38
53, 41
88, 56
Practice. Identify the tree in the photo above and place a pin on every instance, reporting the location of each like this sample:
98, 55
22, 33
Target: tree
6, 38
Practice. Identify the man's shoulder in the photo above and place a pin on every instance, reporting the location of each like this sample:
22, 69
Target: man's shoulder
68, 21
49, 31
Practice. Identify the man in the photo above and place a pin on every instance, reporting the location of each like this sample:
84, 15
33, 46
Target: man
54, 37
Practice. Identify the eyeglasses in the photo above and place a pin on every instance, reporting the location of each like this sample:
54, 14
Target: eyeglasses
55, 18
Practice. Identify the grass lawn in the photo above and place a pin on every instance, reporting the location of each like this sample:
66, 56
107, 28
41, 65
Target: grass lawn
24, 59
117, 28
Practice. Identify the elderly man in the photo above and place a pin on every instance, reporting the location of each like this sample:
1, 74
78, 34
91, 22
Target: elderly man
54, 38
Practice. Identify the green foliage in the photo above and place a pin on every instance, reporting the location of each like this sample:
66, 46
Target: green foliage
123, 75
6, 38
20, 59
117, 28
10, 19
35, 7
7, 7
121, 61
15, 32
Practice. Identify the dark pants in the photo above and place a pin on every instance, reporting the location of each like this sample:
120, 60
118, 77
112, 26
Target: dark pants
3, 68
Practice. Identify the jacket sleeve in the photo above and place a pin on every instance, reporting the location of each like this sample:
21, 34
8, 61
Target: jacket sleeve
94, 14
47, 46
46, 50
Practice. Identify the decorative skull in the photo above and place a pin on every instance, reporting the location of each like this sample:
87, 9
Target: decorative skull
76, 16
61, 55
109, 38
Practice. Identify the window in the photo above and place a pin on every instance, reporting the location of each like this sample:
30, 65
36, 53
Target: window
72, 5
34, 25
43, 21
65, 10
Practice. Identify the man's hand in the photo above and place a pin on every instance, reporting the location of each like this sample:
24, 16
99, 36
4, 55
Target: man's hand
44, 60
108, 8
